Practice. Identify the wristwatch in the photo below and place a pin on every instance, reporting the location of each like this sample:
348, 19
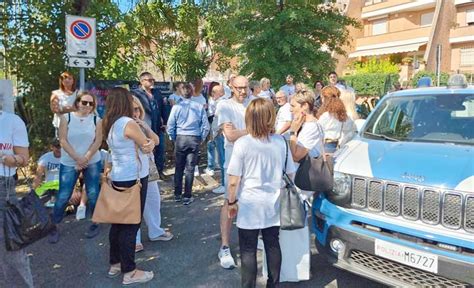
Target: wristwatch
292, 133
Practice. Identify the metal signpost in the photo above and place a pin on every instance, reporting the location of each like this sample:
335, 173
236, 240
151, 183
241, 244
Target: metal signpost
81, 46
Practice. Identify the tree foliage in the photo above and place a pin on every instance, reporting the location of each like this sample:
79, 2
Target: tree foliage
34, 41
293, 37
374, 65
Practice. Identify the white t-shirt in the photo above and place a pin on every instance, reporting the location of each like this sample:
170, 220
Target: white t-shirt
80, 135
51, 166
311, 138
335, 129
13, 133
284, 115
289, 89
64, 100
199, 99
176, 98
260, 165
265, 94
211, 109
231, 111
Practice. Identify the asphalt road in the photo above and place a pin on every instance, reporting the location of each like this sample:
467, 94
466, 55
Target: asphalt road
189, 260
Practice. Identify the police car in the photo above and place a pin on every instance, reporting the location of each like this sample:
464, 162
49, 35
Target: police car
402, 208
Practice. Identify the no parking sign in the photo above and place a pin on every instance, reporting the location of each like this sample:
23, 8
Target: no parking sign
80, 37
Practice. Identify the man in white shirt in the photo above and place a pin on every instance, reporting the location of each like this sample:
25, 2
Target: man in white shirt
284, 116
231, 117
227, 88
289, 88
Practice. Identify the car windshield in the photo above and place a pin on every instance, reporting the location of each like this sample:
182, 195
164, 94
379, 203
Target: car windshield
445, 118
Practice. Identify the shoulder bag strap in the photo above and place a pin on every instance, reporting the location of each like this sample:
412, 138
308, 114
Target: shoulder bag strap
322, 142
286, 154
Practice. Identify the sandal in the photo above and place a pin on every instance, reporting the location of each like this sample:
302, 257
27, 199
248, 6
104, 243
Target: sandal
114, 271
138, 248
129, 278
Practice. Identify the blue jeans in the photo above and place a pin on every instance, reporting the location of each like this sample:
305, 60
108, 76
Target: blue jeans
330, 147
67, 180
159, 152
187, 157
212, 145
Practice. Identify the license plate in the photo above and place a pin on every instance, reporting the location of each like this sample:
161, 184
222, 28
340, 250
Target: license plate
411, 257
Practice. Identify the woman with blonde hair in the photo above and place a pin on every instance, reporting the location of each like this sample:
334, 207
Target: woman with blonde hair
332, 116
348, 99
306, 138
256, 169
151, 213
265, 90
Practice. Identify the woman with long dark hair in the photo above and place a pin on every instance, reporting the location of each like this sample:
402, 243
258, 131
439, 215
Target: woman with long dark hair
129, 148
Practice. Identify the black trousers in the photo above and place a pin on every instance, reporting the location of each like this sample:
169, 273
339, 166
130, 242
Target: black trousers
122, 236
187, 157
248, 253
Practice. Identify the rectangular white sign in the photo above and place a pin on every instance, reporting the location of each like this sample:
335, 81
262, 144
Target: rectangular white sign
81, 62
81, 36
6, 96
411, 257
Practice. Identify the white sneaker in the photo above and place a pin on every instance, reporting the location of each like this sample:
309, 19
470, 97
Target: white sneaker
81, 212
209, 172
226, 259
219, 190
196, 171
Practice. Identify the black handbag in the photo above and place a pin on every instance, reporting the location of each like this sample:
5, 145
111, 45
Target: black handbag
315, 174
25, 220
293, 209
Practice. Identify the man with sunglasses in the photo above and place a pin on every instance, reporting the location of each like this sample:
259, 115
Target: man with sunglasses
155, 115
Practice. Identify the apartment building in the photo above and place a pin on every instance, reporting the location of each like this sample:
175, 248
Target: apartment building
409, 32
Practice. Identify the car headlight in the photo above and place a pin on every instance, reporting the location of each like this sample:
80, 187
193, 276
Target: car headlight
341, 192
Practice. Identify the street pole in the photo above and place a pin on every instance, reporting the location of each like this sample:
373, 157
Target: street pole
82, 79
438, 64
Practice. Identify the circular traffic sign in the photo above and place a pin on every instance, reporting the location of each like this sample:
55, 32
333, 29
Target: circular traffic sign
80, 29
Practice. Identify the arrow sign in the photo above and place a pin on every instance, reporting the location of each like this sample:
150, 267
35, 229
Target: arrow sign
81, 62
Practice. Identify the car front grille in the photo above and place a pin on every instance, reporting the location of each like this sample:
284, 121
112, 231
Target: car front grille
410, 276
451, 209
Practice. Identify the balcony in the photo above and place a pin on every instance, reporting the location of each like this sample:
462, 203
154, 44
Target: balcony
461, 34
395, 6
394, 36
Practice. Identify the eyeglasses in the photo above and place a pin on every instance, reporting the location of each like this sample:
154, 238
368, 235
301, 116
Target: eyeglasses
87, 103
244, 88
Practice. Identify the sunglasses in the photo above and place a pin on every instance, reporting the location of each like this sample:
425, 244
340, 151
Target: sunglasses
87, 103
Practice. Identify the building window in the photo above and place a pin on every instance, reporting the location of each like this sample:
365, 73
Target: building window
470, 17
467, 57
426, 19
379, 27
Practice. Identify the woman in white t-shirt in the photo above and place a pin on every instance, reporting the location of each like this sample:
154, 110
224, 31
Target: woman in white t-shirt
338, 127
80, 135
265, 90
255, 170
62, 100
306, 138
14, 265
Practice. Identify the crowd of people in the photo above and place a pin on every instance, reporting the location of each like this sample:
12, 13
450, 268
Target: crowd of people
255, 131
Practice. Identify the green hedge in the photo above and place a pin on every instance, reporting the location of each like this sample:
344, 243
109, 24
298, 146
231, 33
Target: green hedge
444, 78
371, 84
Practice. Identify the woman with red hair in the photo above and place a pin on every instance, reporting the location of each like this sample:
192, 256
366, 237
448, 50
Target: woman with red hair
62, 100
332, 116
